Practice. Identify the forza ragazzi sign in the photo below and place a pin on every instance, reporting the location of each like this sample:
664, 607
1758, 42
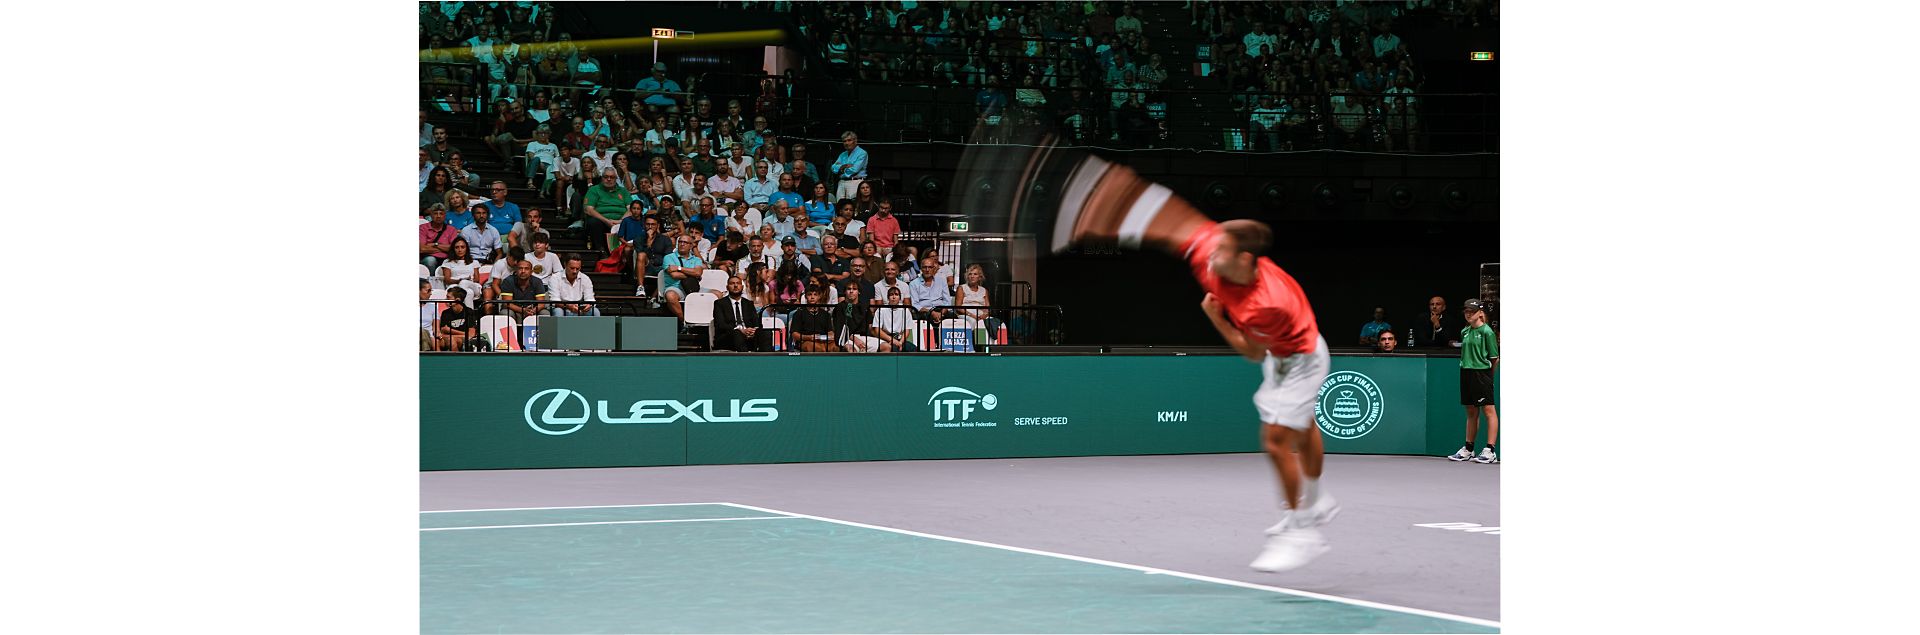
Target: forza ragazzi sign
558, 411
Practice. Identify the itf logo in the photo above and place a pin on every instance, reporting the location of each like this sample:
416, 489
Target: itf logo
556, 417
1350, 405
956, 404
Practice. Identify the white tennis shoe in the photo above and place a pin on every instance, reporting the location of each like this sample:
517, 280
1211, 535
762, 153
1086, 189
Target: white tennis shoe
1487, 456
1462, 454
1321, 511
1289, 549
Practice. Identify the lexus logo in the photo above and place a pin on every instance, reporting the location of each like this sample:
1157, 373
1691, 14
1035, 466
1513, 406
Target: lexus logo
556, 404
550, 416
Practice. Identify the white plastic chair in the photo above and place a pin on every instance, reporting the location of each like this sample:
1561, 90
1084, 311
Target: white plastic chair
714, 279
432, 279
501, 332
698, 308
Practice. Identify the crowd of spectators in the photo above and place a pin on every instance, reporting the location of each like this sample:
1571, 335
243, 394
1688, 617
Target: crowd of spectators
670, 181
1435, 327
1087, 66
1322, 74
1338, 73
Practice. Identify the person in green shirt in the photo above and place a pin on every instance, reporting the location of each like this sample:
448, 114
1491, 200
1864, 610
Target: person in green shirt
606, 204
1479, 358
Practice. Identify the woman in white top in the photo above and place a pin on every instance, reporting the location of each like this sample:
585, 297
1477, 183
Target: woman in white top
564, 173
973, 294
542, 155
656, 139
891, 323
460, 270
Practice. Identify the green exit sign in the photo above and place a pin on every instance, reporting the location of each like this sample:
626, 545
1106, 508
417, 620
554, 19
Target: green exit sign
957, 226
1483, 56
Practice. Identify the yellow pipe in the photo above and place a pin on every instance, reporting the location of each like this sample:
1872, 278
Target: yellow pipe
728, 39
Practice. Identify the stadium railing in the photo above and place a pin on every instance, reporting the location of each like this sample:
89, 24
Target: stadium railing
962, 328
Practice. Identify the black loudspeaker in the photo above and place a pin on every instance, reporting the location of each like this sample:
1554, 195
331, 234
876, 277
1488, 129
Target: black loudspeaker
1218, 196
1325, 197
931, 191
1401, 197
1456, 197
1273, 196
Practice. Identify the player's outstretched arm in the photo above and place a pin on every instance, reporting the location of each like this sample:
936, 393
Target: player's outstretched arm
1110, 202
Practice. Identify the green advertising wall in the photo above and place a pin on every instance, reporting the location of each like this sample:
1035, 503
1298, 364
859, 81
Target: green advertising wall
540, 411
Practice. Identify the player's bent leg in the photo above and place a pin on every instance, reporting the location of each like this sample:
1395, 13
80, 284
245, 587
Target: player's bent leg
1288, 396
1291, 543
1280, 442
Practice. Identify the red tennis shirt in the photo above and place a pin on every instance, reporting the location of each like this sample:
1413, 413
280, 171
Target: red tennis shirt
1273, 310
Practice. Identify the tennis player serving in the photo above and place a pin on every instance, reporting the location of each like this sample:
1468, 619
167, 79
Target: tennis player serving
1257, 308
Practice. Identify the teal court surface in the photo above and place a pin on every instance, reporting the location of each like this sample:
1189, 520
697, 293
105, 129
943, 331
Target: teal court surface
717, 567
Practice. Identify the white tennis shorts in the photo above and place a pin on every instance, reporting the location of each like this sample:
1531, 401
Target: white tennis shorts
1290, 387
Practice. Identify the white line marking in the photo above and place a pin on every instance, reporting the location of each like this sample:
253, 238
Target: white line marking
614, 522
520, 509
1190, 576
1474, 528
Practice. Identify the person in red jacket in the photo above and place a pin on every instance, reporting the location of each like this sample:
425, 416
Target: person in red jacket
1257, 308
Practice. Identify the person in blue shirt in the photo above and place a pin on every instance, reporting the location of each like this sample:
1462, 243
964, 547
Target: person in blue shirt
1370, 332
711, 225
683, 270
656, 87
782, 218
990, 102
807, 242
819, 209
850, 168
459, 211
502, 214
786, 192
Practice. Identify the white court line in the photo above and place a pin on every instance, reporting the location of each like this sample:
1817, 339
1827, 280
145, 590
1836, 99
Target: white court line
521, 509
1180, 574
614, 522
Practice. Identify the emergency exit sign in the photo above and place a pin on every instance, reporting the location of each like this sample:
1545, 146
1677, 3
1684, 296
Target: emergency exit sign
667, 34
1482, 56
957, 226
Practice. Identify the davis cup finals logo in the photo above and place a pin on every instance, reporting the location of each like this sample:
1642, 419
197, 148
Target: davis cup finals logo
1350, 405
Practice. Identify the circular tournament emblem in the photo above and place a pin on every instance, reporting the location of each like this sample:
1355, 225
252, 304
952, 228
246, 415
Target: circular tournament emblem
1350, 405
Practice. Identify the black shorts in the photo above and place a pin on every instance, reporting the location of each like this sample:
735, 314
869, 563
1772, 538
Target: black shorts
1476, 387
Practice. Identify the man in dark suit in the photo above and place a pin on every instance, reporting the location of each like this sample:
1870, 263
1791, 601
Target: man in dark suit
736, 326
1437, 327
